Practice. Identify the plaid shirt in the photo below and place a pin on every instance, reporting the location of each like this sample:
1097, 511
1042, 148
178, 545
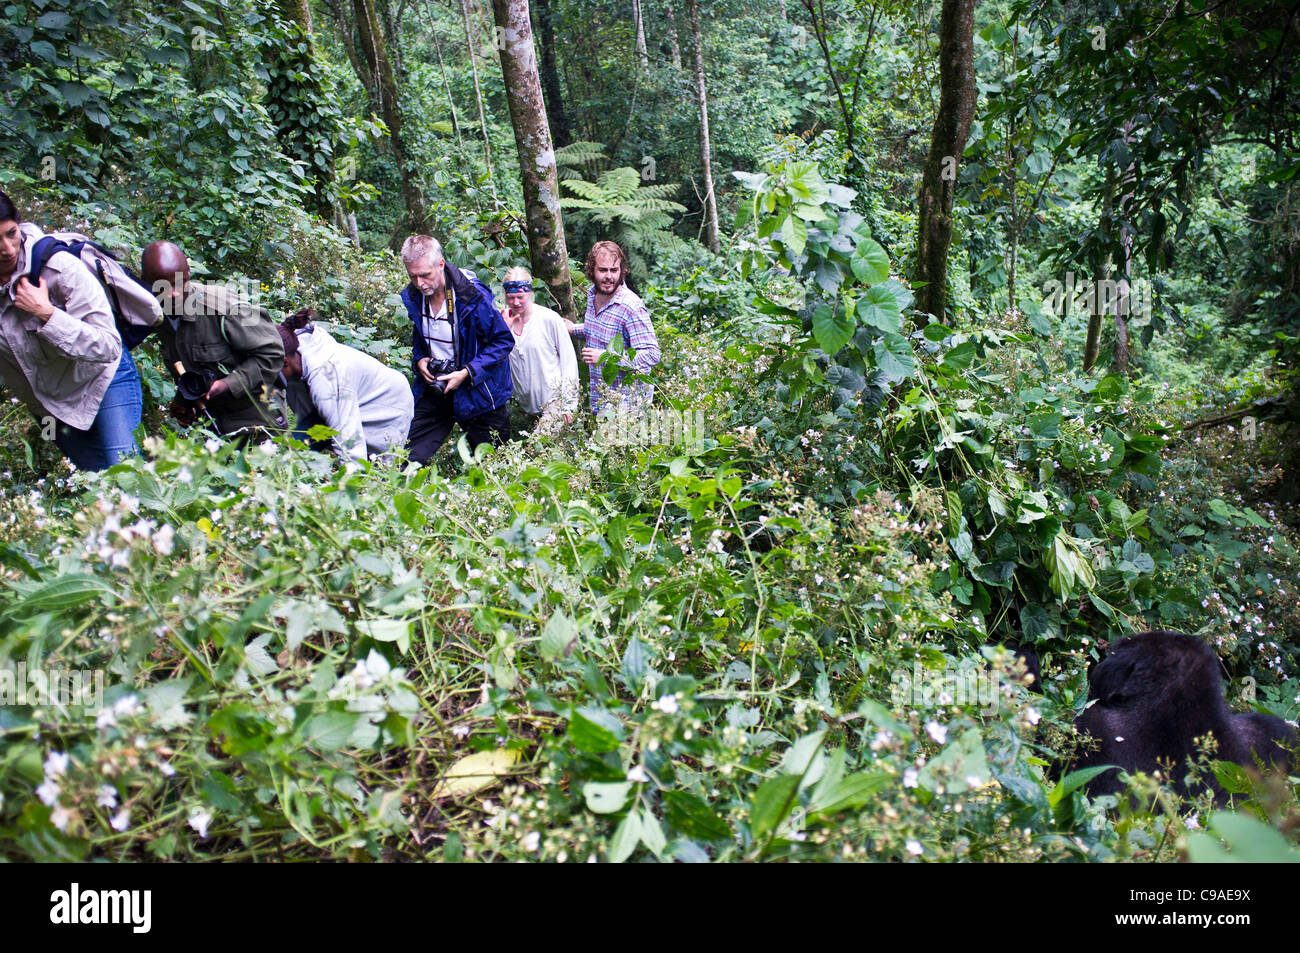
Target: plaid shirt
625, 313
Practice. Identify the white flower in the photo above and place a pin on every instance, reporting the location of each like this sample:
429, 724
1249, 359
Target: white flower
165, 769
637, 775
199, 820
936, 731
122, 819
184, 475
1032, 715
914, 848
59, 817
910, 778
55, 764
531, 841
107, 796
666, 704
460, 731
1193, 822
212, 445
105, 719
48, 792
973, 782
163, 540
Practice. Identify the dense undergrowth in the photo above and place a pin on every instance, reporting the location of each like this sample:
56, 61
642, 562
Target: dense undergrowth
776, 641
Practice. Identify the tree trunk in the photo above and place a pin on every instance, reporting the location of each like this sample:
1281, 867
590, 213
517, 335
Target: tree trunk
674, 48
947, 141
1126, 241
706, 149
639, 20
1100, 276
478, 97
372, 50
551, 90
359, 63
442, 70
546, 246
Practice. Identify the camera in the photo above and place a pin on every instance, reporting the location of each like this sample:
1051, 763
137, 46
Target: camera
193, 386
438, 368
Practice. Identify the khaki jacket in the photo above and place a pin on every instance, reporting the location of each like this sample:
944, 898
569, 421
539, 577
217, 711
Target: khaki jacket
63, 367
222, 332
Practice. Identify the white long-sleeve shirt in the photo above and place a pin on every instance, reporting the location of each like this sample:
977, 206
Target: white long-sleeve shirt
543, 365
367, 403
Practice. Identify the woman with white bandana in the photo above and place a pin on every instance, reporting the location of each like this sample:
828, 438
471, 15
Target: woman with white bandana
543, 365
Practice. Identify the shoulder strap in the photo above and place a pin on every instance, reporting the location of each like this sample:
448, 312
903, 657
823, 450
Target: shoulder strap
42, 251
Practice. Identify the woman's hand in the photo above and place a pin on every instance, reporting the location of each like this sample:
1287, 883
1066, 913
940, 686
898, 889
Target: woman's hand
34, 299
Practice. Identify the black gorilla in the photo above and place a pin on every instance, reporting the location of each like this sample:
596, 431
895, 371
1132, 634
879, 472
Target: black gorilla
1154, 693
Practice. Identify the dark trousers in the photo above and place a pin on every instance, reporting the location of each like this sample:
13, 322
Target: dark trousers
433, 421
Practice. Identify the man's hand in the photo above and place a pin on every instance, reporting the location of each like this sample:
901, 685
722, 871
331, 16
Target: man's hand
218, 388
591, 355
454, 379
183, 411
422, 368
34, 299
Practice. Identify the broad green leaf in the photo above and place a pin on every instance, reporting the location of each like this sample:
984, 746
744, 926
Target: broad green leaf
870, 263
878, 309
1249, 840
771, 803
625, 838
558, 635
606, 797
832, 328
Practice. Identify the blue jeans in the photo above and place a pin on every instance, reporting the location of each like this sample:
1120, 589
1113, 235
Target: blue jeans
111, 436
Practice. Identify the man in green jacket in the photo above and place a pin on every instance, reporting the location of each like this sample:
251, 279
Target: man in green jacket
224, 351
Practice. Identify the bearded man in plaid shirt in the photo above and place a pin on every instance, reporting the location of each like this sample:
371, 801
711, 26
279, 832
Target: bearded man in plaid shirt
615, 309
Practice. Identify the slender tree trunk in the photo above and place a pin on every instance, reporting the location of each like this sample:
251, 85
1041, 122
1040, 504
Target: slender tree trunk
706, 149
372, 49
359, 64
1100, 275
1126, 242
947, 141
674, 48
442, 71
546, 246
385, 15
1013, 239
850, 122
639, 20
478, 97
551, 90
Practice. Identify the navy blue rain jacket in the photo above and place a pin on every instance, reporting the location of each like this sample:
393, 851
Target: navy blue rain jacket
483, 339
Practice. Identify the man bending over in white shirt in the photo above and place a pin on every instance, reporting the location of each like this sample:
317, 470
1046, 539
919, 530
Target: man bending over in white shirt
369, 405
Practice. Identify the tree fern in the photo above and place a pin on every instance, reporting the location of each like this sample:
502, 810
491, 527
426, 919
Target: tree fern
638, 217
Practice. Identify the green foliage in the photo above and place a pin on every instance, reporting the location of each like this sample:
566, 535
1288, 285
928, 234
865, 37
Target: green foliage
618, 207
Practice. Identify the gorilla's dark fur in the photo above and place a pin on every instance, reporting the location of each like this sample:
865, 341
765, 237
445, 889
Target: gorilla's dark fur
1154, 693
